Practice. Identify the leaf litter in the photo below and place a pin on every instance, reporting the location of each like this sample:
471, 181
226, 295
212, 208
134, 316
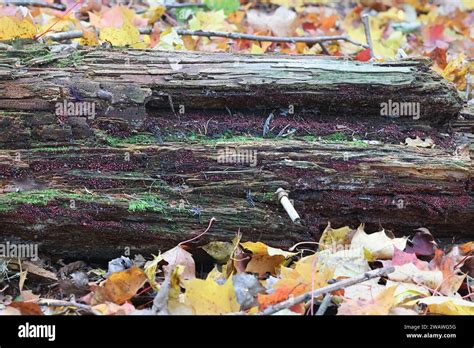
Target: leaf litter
423, 279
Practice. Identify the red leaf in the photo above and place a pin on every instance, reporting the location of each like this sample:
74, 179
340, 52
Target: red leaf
363, 56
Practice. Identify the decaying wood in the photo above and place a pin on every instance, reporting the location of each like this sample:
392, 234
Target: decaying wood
82, 186
88, 209
130, 81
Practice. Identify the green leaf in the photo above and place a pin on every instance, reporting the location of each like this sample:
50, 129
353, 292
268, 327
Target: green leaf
228, 6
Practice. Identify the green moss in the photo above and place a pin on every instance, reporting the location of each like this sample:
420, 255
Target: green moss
206, 140
10, 200
71, 60
335, 137
266, 197
147, 202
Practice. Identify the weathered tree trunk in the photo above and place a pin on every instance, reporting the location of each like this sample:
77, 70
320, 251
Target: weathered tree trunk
97, 201
122, 82
143, 173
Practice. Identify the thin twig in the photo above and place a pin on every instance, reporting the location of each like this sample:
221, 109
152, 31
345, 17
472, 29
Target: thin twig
62, 303
242, 36
327, 289
324, 304
75, 34
365, 21
324, 49
199, 235
37, 3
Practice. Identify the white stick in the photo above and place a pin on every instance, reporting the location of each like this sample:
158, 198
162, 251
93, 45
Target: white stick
285, 202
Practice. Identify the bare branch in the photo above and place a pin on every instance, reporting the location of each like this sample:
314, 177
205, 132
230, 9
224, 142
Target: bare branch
37, 3
327, 289
74, 34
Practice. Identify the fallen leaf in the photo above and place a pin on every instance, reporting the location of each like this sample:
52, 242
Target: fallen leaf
150, 271
378, 244
27, 308
344, 263
379, 305
12, 27
456, 71
127, 35
110, 308
409, 273
219, 251
265, 259
206, 297
281, 23
281, 294
179, 256
38, 271
10, 311
335, 239
263, 249
422, 243
170, 41
120, 286
448, 305
418, 142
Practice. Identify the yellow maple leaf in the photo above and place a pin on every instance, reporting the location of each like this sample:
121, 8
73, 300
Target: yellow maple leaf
210, 21
468, 5
61, 23
335, 238
265, 259
262, 248
154, 14
304, 274
89, 38
448, 305
15, 28
206, 297
170, 41
456, 71
127, 35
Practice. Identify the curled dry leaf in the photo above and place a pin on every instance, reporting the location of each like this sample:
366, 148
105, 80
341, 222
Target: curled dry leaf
179, 256
378, 245
119, 287
264, 259
381, 304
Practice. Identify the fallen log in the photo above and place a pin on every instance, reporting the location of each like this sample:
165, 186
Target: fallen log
144, 174
96, 202
144, 82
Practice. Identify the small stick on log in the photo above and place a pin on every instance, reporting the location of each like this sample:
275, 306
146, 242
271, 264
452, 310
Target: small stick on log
75, 34
365, 20
285, 202
324, 304
62, 303
37, 3
327, 289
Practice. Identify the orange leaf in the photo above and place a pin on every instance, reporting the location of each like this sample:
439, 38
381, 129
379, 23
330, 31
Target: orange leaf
27, 308
281, 294
120, 286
